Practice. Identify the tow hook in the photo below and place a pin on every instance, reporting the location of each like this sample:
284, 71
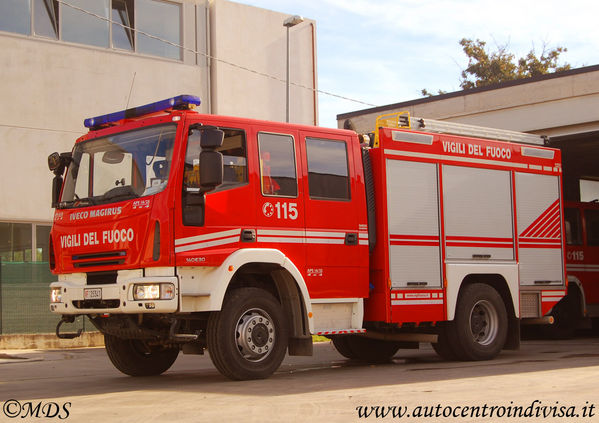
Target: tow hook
67, 319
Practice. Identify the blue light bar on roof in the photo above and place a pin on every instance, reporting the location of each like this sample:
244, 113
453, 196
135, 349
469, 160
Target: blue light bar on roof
179, 102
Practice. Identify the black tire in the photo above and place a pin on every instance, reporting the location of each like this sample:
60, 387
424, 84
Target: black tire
358, 347
260, 316
341, 345
134, 358
444, 346
567, 315
479, 329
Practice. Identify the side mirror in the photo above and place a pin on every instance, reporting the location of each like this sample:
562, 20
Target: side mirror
57, 163
56, 187
211, 161
54, 161
210, 136
211, 170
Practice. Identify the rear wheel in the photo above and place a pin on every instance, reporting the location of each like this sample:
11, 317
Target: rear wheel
341, 345
248, 338
136, 358
444, 345
479, 329
370, 350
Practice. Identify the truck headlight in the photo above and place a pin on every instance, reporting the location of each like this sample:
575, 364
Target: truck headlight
56, 295
154, 291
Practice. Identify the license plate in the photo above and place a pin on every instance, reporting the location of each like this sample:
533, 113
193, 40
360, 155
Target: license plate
92, 294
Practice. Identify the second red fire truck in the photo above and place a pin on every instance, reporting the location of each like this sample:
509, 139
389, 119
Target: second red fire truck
178, 231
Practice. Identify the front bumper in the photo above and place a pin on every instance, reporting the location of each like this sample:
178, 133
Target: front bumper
76, 297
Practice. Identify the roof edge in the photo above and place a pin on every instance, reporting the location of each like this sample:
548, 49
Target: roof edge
507, 84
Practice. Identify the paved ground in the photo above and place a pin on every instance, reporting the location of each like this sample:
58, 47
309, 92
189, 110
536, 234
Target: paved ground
82, 386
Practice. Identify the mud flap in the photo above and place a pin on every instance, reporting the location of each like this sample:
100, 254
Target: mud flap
513, 334
300, 345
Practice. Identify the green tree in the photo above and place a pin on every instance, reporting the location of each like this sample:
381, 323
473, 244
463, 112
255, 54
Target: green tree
487, 67
491, 67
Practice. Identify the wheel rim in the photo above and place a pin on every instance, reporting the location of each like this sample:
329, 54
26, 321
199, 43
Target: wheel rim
484, 322
255, 335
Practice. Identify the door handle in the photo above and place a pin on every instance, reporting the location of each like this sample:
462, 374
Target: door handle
248, 235
351, 238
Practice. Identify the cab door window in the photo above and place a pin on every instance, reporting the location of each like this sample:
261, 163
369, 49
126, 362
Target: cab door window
592, 227
235, 172
573, 226
278, 176
234, 160
328, 175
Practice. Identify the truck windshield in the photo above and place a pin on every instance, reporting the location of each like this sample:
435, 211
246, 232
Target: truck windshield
119, 167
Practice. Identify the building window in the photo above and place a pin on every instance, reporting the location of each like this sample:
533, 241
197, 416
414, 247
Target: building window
42, 239
277, 165
162, 20
88, 22
328, 176
123, 36
592, 227
15, 16
589, 190
15, 242
17, 239
83, 28
45, 18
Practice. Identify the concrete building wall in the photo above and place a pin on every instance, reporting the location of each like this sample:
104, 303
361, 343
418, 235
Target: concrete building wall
48, 87
552, 105
256, 39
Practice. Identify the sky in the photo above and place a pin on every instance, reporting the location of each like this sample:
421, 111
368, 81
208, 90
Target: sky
386, 51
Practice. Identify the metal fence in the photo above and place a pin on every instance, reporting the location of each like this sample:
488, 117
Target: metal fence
24, 300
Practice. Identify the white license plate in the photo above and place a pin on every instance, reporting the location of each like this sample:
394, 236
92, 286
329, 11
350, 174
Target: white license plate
92, 294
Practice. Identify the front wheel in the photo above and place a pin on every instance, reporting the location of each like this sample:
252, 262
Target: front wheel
136, 358
248, 338
479, 329
567, 315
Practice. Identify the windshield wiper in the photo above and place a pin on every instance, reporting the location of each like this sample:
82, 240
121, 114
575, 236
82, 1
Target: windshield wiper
78, 202
125, 192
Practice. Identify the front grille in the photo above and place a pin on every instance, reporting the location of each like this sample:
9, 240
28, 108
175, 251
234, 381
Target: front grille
101, 278
97, 303
107, 258
529, 304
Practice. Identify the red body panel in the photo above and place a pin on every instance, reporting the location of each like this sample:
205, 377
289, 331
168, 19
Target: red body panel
429, 305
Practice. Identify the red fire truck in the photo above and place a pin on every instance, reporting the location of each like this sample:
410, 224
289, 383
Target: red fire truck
582, 266
177, 231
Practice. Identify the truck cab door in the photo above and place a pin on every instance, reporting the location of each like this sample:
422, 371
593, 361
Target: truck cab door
335, 210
